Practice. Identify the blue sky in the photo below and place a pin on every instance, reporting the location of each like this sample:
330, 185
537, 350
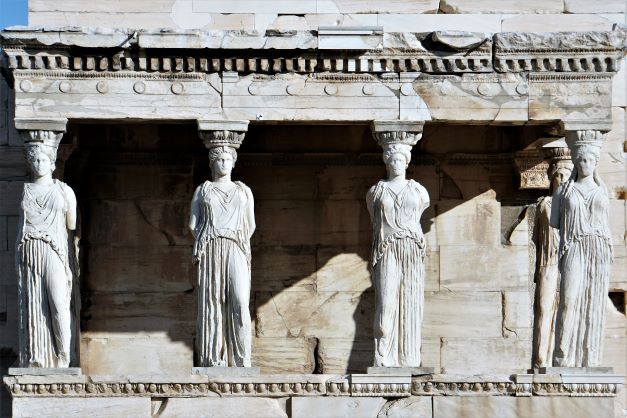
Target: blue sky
13, 12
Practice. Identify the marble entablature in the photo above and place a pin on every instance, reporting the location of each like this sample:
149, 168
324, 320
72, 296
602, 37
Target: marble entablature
363, 75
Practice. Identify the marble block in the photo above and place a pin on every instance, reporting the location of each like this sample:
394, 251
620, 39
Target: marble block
401, 371
225, 371
575, 370
44, 371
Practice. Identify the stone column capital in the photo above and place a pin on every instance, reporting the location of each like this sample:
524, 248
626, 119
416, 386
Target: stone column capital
583, 134
391, 132
219, 133
554, 149
578, 133
47, 131
557, 154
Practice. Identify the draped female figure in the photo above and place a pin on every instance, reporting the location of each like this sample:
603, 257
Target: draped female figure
398, 251
222, 221
46, 264
580, 211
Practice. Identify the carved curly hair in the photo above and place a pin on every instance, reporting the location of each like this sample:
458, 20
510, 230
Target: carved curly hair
31, 151
214, 153
404, 150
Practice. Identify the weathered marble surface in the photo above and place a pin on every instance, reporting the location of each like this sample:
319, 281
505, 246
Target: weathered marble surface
103, 407
225, 371
44, 371
504, 407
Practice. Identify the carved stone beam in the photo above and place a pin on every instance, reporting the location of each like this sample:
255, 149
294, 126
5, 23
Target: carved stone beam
389, 132
219, 133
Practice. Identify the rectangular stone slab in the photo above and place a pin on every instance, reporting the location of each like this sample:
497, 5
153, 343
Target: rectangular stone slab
225, 371
44, 371
401, 371
575, 370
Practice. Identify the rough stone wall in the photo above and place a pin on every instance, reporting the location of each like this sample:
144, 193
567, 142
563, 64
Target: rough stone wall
12, 174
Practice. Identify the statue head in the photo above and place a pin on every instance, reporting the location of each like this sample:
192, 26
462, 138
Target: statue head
559, 174
222, 160
41, 158
396, 158
585, 158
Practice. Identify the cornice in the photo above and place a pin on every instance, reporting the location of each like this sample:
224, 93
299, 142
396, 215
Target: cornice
86, 50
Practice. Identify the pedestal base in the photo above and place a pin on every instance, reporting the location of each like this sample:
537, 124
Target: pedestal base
574, 370
44, 371
225, 371
398, 371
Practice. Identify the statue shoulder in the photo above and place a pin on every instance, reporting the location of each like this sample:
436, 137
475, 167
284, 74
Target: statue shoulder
67, 190
201, 188
374, 189
244, 188
420, 189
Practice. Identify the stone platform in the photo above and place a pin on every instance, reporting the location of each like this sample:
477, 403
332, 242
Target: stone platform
355, 395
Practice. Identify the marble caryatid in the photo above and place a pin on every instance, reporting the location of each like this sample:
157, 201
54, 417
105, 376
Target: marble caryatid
580, 211
46, 260
547, 271
398, 250
222, 221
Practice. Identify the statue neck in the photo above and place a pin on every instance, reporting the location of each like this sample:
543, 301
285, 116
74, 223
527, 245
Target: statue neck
43, 180
222, 179
585, 181
396, 178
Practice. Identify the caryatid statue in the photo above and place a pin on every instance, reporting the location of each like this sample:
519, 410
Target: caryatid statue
547, 239
222, 221
580, 210
46, 260
395, 205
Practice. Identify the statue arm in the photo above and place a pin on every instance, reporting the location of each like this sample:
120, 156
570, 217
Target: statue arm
194, 215
370, 202
70, 212
250, 212
556, 203
424, 194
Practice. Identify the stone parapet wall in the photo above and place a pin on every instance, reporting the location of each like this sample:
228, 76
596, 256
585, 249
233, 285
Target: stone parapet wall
405, 15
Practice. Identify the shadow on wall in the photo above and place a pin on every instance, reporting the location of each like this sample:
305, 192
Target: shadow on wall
312, 304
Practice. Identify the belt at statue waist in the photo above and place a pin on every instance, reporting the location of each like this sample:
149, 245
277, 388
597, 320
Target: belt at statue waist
379, 249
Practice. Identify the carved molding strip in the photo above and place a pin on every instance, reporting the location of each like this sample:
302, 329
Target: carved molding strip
431, 385
172, 64
215, 51
563, 52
